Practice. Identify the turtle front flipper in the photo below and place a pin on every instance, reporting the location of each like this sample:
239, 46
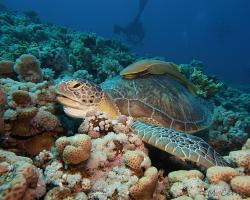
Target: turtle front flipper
180, 144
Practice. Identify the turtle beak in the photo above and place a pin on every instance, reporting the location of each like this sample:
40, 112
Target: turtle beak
69, 102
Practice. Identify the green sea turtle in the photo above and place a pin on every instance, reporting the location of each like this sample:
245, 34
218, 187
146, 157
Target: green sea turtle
163, 109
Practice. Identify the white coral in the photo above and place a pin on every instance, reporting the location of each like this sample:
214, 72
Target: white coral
119, 180
104, 149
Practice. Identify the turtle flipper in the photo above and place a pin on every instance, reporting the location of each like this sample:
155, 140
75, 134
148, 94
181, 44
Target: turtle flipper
180, 144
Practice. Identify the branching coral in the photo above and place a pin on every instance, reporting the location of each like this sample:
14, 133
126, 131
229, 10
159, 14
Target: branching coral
191, 187
206, 86
96, 124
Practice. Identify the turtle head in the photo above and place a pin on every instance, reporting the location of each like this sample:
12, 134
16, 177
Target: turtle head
79, 97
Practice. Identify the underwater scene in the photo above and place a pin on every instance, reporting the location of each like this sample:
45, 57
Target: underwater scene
124, 100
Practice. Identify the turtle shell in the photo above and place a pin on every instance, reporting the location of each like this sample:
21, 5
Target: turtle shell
159, 99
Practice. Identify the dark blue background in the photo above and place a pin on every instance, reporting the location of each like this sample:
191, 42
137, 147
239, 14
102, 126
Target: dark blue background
215, 31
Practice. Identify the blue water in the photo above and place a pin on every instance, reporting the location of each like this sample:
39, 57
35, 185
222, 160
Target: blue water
216, 32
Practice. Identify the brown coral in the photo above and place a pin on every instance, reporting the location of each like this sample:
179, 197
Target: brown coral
38, 143
241, 185
6, 68
20, 181
145, 187
218, 173
24, 113
74, 149
28, 68
45, 121
21, 98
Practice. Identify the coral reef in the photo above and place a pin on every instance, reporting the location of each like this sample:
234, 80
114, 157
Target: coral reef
206, 86
98, 158
28, 68
231, 126
19, 178
102, 167
29, 119
60, 49
219, 183
6, 68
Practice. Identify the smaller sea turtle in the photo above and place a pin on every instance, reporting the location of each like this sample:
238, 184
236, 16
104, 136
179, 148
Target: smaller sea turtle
163, 109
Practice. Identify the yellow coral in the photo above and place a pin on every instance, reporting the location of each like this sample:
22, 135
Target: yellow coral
218, 173
241, 185
145, 187
74, 149
178, 176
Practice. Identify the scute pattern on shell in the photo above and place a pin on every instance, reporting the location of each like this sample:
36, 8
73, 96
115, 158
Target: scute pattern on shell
161, 99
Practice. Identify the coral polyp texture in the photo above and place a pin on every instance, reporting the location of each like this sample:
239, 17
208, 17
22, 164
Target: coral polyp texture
19, 178
74, 149
100, 168
46, 155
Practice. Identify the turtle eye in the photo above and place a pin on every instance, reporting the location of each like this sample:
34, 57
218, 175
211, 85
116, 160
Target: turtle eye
76, 85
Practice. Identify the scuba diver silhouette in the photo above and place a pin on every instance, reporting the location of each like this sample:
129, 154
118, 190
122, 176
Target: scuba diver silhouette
134, 31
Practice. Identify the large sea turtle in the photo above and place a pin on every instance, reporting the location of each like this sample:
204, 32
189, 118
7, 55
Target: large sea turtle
163, 108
